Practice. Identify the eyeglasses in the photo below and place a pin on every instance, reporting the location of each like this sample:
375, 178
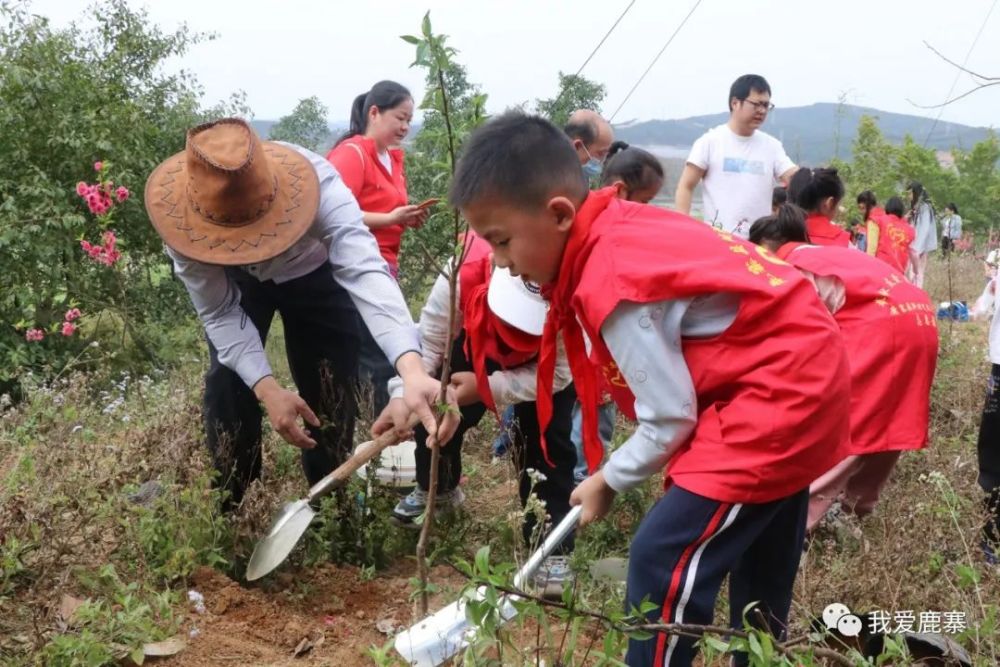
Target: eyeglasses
760, 106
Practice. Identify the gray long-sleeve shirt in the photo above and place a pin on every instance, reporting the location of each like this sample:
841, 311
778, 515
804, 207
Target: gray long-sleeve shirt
338, 236
645, 340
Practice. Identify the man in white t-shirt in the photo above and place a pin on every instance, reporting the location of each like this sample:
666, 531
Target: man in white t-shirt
738, 163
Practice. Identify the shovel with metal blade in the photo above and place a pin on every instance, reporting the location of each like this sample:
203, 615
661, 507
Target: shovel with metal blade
294, 518
441, 636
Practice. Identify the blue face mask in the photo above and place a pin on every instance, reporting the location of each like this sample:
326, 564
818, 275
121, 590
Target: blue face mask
593, 168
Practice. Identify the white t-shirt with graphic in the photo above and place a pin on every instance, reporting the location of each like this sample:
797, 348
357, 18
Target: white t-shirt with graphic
740, 175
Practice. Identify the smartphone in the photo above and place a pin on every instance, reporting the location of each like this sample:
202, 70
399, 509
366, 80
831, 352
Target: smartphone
427, 203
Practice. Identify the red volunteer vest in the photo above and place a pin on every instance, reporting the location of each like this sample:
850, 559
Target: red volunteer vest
377, 191
757, 383
894, 238
487, 337
823, 232
889, 327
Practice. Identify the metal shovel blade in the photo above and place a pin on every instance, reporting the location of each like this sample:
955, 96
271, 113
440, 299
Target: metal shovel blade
293, 520
441, 636
273, 548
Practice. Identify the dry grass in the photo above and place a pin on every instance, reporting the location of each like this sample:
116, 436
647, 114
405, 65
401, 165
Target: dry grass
68, 463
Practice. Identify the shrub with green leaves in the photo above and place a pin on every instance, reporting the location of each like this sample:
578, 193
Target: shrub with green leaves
94, 92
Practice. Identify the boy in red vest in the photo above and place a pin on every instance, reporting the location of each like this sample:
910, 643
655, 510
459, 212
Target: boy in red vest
889, 326
709, 341
497, 336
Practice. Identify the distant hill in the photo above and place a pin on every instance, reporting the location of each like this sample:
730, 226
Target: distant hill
808, 133
263, 128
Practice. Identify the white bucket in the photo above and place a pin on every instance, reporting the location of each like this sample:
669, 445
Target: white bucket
398, 466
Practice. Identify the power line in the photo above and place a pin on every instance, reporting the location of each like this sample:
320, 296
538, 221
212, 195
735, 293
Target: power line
596, 48
696, 4
958, 74
604, 39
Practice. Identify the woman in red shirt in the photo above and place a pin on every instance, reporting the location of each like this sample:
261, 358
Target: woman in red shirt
817, 192
370, 162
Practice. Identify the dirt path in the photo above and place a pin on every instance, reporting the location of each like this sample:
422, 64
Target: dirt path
327, 615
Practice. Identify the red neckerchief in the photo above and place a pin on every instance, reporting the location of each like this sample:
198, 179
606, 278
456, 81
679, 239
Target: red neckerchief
821, 226
562, 318
784, 251
489, 337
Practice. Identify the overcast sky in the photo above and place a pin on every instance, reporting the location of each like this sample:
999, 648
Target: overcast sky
872, 50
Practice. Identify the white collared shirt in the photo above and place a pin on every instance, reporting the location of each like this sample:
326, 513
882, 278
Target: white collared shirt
337, 236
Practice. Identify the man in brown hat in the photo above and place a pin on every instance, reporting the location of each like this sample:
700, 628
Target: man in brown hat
257, 227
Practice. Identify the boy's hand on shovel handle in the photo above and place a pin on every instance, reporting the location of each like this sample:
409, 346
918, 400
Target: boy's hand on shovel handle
596, 497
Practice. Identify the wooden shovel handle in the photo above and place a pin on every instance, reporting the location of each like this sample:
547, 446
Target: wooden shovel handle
365, 452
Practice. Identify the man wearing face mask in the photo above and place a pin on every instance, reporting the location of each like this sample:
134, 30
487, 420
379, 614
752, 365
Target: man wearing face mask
592, 137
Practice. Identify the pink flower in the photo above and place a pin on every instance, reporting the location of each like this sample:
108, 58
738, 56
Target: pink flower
122, 193
98, 165
34, 335
72, 314
68, 328
106, 253
82, 189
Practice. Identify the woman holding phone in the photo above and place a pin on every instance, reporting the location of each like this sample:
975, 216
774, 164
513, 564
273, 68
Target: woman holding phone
370, 161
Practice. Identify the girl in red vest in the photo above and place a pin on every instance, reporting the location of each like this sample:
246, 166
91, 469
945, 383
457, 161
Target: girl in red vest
889, 325
707, 340
370, 162
498, 327
818, 192
896, 236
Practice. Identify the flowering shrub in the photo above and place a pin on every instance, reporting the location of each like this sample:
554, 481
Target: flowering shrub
72, 235
98, 197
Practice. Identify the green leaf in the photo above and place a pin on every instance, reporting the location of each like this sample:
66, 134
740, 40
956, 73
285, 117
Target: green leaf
967, 576
138, 656
715, 643
426, 24
483, 561
410, 39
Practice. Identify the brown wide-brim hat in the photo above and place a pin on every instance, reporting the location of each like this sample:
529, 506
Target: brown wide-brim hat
229, 198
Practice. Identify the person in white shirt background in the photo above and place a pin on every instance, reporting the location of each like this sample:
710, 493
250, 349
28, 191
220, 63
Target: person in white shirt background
922, 217
951, 228
737, 163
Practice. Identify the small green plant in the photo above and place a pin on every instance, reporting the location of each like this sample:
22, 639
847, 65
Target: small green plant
12, 567
182, 530
114, 625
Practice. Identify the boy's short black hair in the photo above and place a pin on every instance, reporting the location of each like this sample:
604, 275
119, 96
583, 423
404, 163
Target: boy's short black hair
520, 159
